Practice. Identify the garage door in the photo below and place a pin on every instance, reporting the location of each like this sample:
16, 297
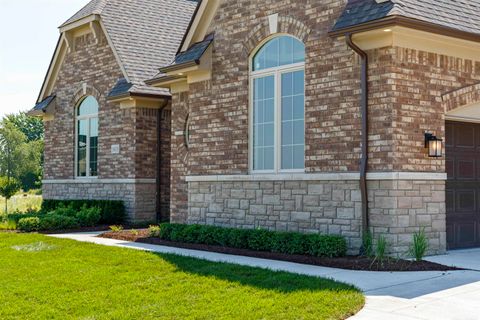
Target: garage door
463, 184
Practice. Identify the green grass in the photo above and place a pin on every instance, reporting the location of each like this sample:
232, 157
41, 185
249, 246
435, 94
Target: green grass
46, 278
21, 203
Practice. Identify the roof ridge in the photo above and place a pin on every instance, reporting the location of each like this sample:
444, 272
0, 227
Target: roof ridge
92, 7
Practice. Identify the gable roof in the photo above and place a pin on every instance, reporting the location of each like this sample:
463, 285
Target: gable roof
460, 15
144, 34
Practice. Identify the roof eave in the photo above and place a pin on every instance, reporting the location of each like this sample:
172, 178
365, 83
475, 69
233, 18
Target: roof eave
156, 82
80, 22
129, 95
408, 23
180, 66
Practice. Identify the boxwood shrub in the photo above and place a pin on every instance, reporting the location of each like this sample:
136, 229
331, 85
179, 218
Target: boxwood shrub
30, 224
111, 212
255, 239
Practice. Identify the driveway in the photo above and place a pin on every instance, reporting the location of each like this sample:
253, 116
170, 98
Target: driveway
390, 295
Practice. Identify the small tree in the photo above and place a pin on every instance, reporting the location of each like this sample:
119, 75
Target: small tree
8, 188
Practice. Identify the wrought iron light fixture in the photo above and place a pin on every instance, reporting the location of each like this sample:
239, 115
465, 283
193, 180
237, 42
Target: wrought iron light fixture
434, 145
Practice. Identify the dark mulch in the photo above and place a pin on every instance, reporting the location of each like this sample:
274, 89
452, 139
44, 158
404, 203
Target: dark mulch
85, 229
349, 263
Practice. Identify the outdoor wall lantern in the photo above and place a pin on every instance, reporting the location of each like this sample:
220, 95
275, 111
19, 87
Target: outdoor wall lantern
434, 145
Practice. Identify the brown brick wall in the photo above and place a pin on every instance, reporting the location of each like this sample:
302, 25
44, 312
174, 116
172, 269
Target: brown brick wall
418, 81
134, 129
95, 65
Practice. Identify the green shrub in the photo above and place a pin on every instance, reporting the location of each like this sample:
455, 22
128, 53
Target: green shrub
111, 212
88, 217
116, 228
64, 211
53, 221
31, 224
258, 239
154, 231
419, 247
237, 238
16, 216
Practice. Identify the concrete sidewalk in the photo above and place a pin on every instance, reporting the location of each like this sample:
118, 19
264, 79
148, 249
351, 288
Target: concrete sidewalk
390, 295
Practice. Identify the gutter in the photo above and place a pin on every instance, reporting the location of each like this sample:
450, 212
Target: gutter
412, 23
364, 111
159, 161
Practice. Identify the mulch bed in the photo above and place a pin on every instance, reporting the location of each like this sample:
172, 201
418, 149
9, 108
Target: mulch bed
78, 230
349, 263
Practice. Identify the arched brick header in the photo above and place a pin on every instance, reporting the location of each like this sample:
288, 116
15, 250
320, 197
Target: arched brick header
461, 97
85, 91
286, 25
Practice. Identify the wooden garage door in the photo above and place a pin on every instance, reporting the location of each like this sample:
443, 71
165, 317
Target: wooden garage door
463, 184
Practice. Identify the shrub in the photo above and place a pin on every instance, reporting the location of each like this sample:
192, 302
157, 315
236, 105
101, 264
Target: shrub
111, 212
154, 231
257, 239
260, 240
17, 216
419, 247
31, 224
53, 221
116, 228
88, 217
65, 211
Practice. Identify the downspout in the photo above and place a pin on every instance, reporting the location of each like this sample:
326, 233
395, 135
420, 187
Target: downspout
364, 111
159, 160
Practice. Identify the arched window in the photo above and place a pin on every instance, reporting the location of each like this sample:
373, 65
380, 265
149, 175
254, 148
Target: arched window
278, 106
87, 138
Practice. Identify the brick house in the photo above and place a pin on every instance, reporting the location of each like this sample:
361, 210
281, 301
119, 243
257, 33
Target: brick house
316, 116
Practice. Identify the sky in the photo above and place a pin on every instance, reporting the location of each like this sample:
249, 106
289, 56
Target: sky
28, 36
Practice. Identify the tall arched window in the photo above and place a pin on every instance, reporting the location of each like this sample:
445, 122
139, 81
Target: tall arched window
278, 106
87, 138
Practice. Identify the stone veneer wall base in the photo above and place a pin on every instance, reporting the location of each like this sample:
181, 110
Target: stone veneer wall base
139, 196
398, 208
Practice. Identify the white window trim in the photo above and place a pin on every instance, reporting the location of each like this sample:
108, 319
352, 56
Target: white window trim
277, 73
77, 119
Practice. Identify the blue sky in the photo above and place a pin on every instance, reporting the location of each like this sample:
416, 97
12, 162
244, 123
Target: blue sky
28, 35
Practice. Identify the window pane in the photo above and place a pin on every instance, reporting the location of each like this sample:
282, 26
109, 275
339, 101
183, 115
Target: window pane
93, 147
286, 50
287, 158
271, 54
298, 132
82, 148
293, 120
88, 106
269, 162
298, 157
264, 124
287, 133
298, 107
298, 51
279, 51
298, 82
287, 84
269, 87
269, 110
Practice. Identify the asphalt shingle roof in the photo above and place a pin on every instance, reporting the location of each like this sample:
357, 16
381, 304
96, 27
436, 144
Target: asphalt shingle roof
146, 34
456, 14
42, 106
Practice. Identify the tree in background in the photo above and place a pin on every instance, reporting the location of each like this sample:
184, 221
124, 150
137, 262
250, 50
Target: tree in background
8, 188
21, 158
31, 127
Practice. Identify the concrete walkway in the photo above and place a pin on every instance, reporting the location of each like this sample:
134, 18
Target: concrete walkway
390, 295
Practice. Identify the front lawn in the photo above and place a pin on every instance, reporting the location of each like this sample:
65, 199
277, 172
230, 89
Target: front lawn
46, 278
